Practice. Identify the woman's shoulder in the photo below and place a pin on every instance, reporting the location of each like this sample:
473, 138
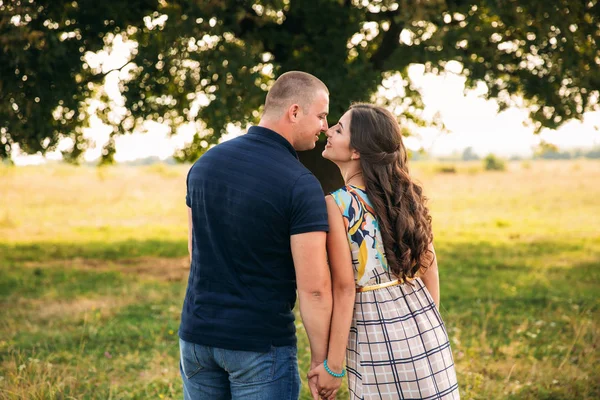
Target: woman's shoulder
340, 196
346, 195
343, 192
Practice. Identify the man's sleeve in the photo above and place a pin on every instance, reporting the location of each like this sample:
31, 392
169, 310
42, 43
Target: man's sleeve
188, 201
309, 211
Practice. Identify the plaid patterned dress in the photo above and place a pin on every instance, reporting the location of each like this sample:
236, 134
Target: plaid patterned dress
398, 347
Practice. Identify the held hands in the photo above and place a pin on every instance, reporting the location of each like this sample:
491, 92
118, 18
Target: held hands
312, 382
314, 390
322, 384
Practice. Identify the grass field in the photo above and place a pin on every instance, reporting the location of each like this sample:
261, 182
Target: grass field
93, 271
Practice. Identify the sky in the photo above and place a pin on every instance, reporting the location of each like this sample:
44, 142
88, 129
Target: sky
470, 120
474, 122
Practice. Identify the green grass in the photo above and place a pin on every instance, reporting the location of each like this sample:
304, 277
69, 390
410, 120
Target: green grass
93, 272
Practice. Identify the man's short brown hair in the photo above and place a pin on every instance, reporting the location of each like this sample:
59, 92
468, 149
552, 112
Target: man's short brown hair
294, 87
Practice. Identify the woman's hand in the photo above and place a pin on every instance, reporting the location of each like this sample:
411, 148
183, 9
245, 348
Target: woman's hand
327, 384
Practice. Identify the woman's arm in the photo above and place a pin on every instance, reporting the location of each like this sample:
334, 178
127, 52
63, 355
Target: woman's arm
431, 277
344, 292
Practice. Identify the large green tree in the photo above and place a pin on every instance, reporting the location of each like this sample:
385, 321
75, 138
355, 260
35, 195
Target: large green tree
211, 61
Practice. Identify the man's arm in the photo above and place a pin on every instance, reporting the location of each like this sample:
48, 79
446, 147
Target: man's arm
308, 227
314, 290
344, 291
190, 228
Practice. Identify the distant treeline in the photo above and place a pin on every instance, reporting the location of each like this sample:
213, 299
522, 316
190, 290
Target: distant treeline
142, 161
567, 155
468, 154
544, 152
548, 153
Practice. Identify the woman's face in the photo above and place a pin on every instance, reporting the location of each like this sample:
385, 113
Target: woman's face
338, 148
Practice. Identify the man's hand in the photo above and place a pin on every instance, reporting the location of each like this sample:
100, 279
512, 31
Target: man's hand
312, 385
313, 382
327, 385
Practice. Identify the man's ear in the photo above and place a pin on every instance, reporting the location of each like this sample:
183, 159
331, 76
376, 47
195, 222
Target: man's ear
293, 112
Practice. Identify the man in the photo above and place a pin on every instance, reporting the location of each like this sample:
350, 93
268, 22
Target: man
258, 225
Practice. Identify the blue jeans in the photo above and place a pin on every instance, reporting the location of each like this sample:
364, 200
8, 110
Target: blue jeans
219, 374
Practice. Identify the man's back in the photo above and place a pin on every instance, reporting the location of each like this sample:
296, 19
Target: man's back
247, 197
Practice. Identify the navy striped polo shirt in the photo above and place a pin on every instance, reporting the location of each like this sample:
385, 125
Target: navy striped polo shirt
247, 195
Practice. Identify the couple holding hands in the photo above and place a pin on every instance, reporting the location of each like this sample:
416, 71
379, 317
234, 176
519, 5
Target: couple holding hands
360, 261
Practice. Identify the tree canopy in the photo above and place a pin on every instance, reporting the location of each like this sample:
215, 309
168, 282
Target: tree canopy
210, 62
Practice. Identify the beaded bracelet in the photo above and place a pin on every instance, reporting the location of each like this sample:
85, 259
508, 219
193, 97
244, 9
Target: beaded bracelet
330, 372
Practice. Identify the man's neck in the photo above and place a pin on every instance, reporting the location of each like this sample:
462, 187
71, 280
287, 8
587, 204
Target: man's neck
278, 128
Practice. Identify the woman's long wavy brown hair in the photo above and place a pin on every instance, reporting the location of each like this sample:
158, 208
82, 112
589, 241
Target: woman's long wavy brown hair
398, 201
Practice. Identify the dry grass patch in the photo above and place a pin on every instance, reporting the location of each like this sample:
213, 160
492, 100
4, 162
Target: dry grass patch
164, 269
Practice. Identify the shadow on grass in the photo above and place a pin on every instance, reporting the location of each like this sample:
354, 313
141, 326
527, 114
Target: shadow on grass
46, 251
529, 270
461, 257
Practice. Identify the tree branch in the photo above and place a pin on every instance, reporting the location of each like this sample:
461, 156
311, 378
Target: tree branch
115, 69
389, 43
381, 16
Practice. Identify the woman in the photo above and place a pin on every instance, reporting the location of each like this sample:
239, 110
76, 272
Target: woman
397, 345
